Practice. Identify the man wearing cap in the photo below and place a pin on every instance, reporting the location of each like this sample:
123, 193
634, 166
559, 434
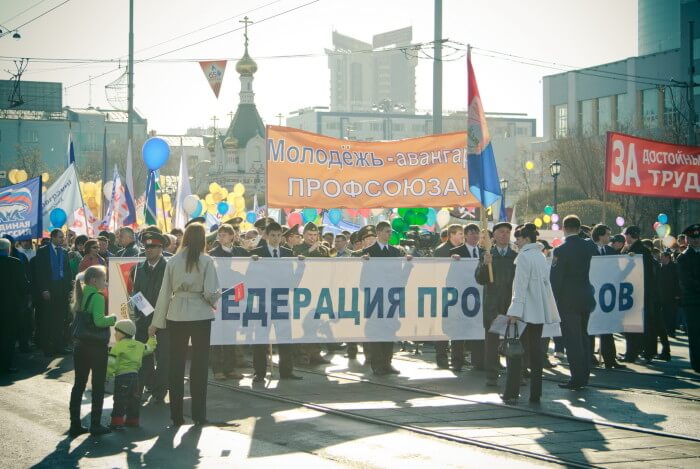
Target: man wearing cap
127, 241
497, 294
636, 342
223, 357
311, 247
291, 237
147, 279
689, 272
273, 249
617, 242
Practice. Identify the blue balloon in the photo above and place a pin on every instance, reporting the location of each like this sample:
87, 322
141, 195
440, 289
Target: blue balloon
662, 218
58, 217
432, 217
309, 215
222, 207
155, 153
198, 211
335, 215
250, 217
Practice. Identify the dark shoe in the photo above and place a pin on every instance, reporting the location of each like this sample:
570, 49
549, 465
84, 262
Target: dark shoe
77, 430
648, 360
258, 379
628, 359
570, 386
616, 366
319, 360
380, 372
290, 376
508, 400
178, 422
664, 356
97, 430
393, 371
534, 401
443, 364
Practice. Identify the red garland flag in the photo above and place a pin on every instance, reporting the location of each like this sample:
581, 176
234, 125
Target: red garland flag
214, 73
639, 166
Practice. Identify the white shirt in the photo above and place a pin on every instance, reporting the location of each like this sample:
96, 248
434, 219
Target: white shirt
271, 249
472, 250
382, 246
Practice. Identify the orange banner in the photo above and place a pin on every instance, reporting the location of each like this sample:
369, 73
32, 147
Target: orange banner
306, 170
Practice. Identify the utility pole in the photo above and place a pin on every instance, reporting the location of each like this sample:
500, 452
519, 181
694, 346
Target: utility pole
130, 80
437, 70
279, 118
691, 205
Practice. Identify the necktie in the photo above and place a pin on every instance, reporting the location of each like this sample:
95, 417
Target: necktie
474, 253
502, 252
602, 251
274, 253
384, 249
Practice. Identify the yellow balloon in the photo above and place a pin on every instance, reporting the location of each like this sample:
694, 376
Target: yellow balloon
224, 193
529, 165
21, 175
546, 218
209, 199
239, 189
211, 208
538, 222
214, 188
231, 198
45, 177
43, 188
240, 204
166, 199
12, 176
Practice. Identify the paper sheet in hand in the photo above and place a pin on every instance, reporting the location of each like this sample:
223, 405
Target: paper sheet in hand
142, 304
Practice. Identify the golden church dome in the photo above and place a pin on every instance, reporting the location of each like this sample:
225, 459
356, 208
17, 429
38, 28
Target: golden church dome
246, 66
231, 142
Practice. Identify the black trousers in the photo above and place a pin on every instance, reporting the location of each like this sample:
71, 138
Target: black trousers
286, 365
127, 398
492, 361
654, 328
531, 339
381, 355
223, 358
693, 319
456, 352
181, 332
607, 349
574, 330
88, 358
25, 328
8, 337
669, 313
53, 317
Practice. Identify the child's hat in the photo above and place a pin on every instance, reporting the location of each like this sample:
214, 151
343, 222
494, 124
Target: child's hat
126, 327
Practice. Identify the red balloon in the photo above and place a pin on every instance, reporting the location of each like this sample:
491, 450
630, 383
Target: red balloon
656, 225
364, 212
353, 212
288, 211
294, 219
556, 242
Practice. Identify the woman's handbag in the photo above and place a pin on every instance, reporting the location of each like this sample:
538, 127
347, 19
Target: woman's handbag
84, 328
511, 347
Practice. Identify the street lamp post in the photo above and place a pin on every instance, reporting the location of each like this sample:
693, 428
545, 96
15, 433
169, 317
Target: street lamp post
555, 170
385, 106
504, 188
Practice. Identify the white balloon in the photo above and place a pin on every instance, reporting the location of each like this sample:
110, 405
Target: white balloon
443, 218
377, 211
189, 204
107, 189
668, 241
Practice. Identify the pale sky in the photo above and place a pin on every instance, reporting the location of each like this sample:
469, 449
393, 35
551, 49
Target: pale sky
174, 95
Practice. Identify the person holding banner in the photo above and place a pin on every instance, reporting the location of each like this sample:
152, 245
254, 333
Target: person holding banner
185, 306
532, 303
273, 249
497, 294
52, 283
689, 267
382, 352
571, 264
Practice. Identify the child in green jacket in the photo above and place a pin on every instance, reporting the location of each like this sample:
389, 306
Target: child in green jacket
125, 359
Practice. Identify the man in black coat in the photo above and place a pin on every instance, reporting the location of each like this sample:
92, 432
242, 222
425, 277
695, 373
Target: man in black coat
52, 286
273, 249
147, 279
497, 294
471, 250
13, 302
689, 271
600, 236
382, 352
638, 342
573, 292
455, 240
127, 241
669, 292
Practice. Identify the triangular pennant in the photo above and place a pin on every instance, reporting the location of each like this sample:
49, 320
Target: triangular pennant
214, 73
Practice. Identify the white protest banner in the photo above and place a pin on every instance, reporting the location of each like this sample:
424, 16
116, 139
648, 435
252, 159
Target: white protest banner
65, 194
356, 300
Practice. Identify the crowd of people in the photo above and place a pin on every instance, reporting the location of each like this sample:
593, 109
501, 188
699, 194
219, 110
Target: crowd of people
47, 287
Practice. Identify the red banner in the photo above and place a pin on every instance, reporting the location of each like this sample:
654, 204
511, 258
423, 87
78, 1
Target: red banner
639, 166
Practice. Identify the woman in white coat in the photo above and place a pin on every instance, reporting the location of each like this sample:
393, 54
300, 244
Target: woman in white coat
532, 303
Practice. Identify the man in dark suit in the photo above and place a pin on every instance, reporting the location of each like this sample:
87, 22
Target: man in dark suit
573, 293
669, 293
273, 249
382, 352
52, 285
470, 249
455, 240
689, 275
600, 237
13, 303
497, 294
127, 241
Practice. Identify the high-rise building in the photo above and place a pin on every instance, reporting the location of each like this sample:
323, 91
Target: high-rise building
363, 74
657, 25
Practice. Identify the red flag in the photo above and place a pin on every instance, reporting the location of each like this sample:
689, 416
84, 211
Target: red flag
214, 73
238, 292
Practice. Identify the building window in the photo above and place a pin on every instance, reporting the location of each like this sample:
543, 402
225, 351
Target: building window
605, 114
398, 127
561, 123
585, 116
622, 119
650, 107
30, 136
671, 100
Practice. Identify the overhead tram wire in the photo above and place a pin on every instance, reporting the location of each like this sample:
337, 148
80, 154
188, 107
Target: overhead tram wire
39, 16
23, 12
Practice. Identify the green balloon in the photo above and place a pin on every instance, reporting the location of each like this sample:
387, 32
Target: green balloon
422, 210
420, 219
548, 209
403, 211
395, 238
408, 214
398, 224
